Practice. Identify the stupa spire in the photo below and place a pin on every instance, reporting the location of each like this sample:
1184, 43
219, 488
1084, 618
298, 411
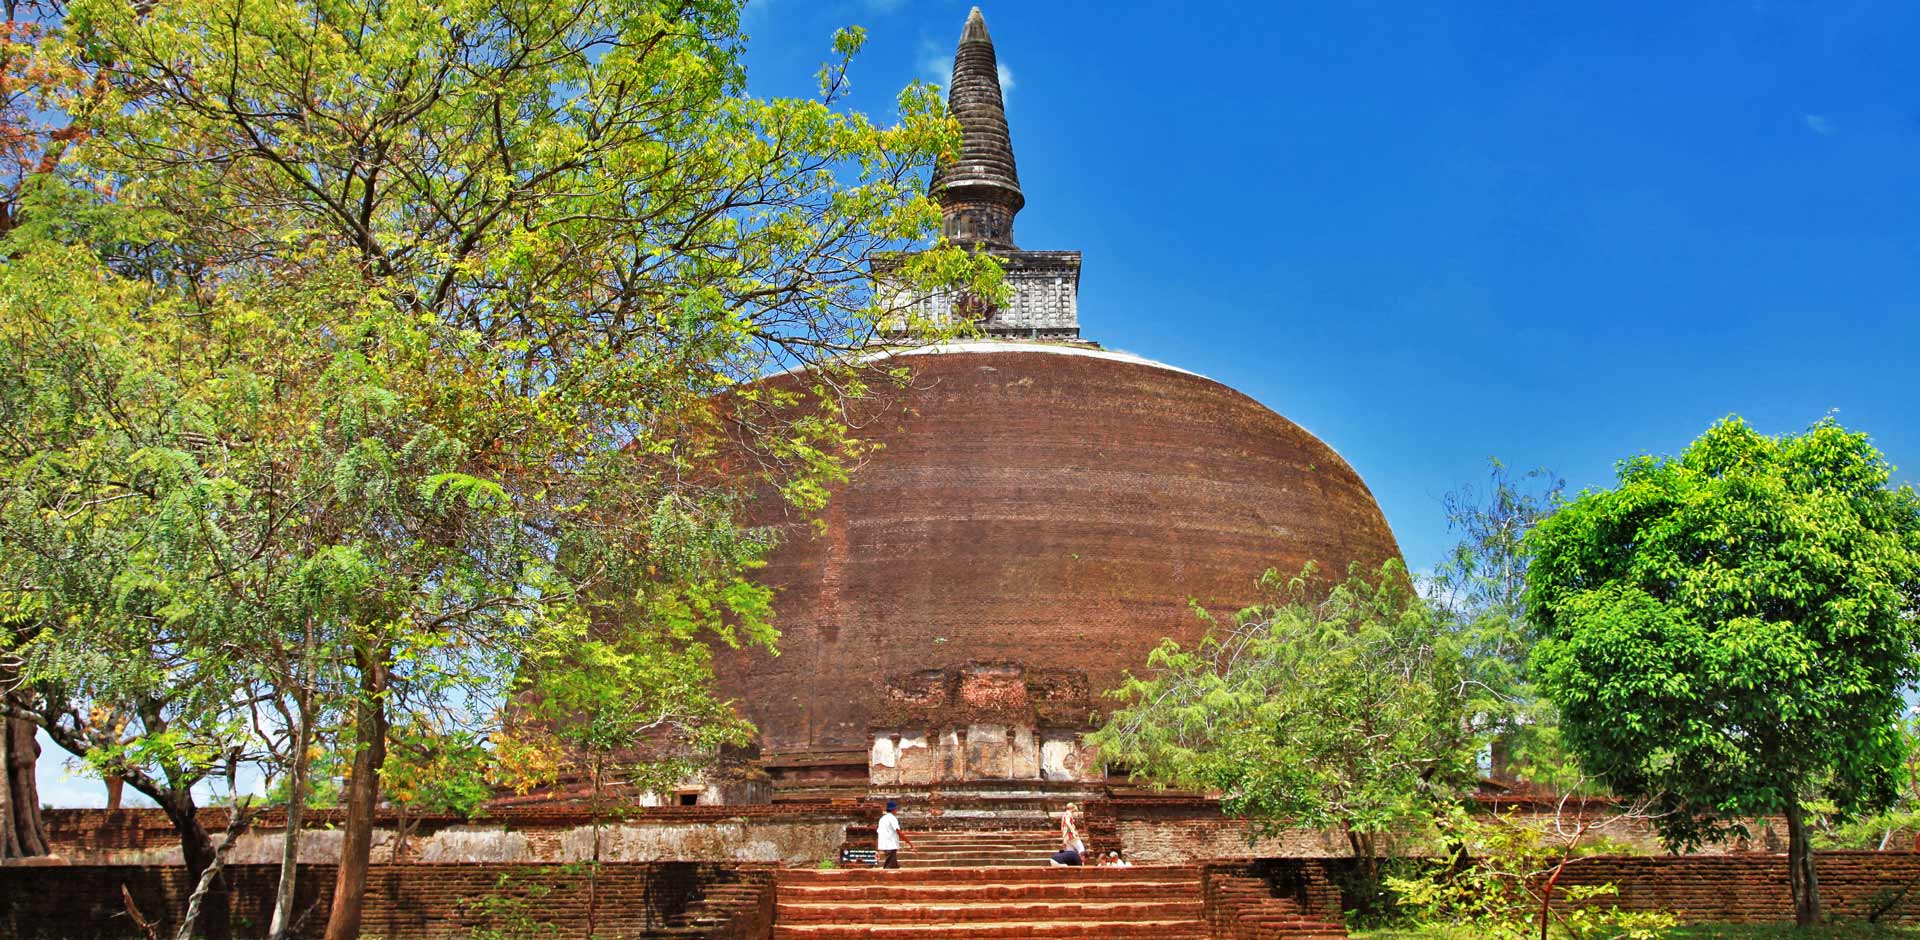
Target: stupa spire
979, 193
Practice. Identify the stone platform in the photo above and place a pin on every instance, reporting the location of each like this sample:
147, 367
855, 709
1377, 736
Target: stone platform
1118, 903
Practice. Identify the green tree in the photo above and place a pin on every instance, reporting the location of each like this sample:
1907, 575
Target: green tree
1729, 632
632, 710
111, 664
1481, 588
1317, 708
425, 332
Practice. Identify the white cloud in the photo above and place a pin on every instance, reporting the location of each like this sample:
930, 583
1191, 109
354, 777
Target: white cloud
1006, 78
1819, 124
936, 68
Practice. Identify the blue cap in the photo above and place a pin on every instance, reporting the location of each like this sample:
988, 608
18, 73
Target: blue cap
892, 805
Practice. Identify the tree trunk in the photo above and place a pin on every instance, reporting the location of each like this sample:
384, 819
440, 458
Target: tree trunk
593, 873
242, 817
1800, 874
196, 849
363, 795
296, 816
22, 832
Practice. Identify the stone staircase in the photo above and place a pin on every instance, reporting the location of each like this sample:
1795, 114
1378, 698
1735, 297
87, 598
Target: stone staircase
1159, 903
971, 848
1240, 905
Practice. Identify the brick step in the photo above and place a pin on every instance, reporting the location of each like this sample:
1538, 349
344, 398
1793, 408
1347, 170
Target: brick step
1069, 875
990, 848
1303, 928
992, 930
986, 835
991, 891
889, 912
931, 849
977, 861
922, 844
1059, 791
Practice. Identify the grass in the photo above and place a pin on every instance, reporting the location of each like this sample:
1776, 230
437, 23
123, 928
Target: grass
1845, 930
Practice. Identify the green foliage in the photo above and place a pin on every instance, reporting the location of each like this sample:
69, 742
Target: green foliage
1895, 827
518, 906
1728, 631
429, 770
1503, 881
1841, 930
364, 360
1845, 930
1343, 707
1481, 589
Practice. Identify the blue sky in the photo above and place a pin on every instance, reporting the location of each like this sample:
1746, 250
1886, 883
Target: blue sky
1437, 232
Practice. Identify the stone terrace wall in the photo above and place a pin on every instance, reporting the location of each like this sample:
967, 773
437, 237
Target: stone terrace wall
1174, 830
1258, 899
795, 834
404, 902
1752, 889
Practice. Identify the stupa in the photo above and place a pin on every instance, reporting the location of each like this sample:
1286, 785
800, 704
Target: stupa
1037, 518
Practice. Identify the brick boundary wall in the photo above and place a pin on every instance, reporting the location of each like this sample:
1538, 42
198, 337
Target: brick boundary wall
405, 902
83, 830
1752, 889
1287, 898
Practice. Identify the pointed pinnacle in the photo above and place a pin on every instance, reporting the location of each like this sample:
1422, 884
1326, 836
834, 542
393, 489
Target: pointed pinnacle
976, 27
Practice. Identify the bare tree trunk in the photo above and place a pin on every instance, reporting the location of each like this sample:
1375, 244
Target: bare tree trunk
9, 829
1800, 873
242, 817
363, 795
22, 832
593, 873
296, 817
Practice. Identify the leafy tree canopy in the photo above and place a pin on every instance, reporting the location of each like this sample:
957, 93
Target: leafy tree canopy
1730, 631
1480, 588
360, 354
1345, 708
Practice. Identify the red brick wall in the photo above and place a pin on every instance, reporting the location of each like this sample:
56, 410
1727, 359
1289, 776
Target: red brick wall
404, 902
1752, 889
1040, 508
1283, 897
1272, 899
132, 836
1181, 829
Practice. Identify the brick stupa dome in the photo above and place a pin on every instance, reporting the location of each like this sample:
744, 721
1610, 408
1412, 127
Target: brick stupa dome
1043, 505
1037, 518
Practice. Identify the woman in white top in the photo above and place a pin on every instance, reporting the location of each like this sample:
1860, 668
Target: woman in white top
1072, 850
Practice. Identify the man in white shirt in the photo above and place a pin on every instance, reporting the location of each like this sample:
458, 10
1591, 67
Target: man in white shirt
888, 836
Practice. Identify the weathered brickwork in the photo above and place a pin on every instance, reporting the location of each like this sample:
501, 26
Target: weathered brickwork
1272, 899
1181, 830
1752, 889
406, 902
1045, 506
979, 191
1275, 899
796, 834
